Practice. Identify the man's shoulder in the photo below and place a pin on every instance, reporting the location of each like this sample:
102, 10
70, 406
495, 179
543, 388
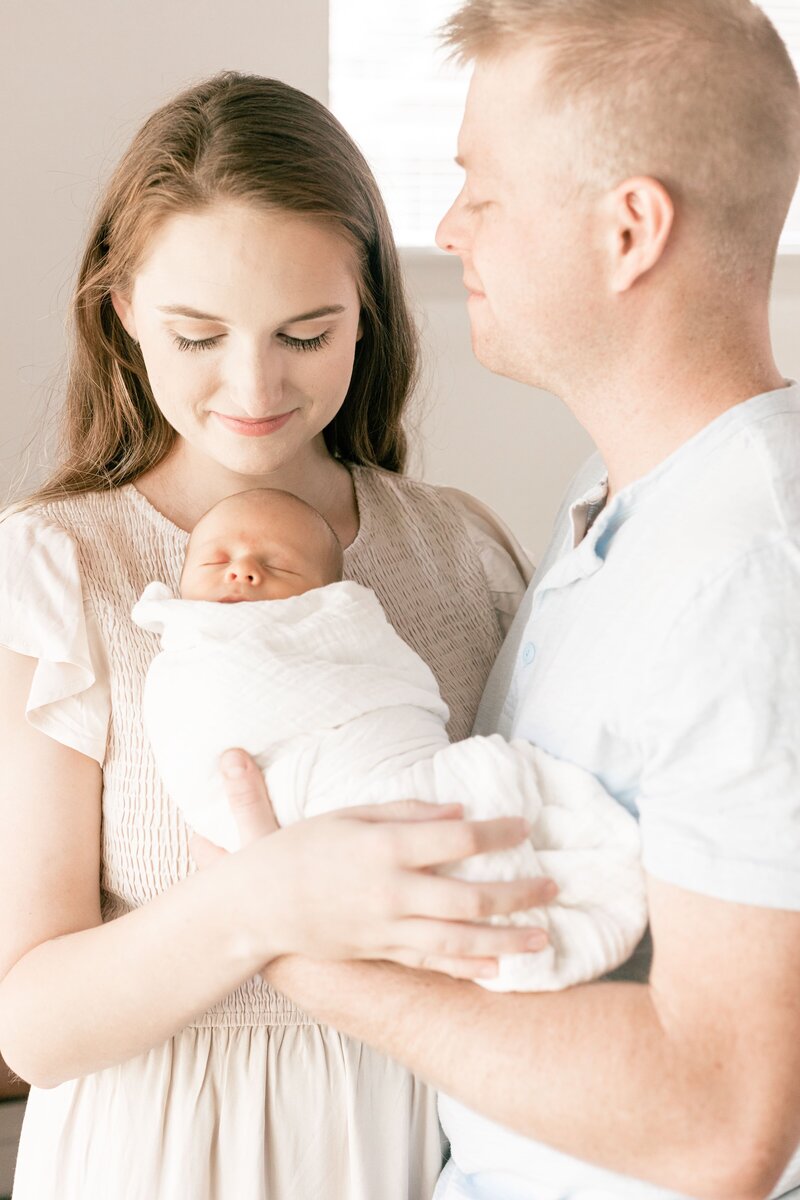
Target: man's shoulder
734, 503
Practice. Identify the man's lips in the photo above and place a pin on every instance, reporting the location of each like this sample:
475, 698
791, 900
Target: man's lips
254, 427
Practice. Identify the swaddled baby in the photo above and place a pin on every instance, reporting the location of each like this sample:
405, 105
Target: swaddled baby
268, 649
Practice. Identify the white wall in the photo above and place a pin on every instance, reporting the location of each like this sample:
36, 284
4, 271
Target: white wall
76, 81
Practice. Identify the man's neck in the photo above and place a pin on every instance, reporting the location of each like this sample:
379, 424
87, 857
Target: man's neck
642, 416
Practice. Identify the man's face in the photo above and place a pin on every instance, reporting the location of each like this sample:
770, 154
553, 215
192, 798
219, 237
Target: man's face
526, 234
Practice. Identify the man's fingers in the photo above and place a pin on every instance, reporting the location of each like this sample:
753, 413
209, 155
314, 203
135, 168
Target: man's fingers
204, 852
247, 796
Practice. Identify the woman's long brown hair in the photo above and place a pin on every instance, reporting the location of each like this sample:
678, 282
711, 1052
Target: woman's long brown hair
247, 138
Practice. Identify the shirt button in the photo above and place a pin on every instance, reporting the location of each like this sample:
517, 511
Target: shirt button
528, 654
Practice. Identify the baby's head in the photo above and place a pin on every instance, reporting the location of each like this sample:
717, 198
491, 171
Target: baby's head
259, 545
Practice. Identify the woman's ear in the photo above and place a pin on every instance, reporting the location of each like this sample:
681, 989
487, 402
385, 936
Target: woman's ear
640, 220
124, 310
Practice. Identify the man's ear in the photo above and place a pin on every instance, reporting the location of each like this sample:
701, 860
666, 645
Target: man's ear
640, 216
124, 310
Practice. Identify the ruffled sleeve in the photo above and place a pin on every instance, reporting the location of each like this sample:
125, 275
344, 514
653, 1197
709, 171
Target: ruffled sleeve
507, 566
44, 615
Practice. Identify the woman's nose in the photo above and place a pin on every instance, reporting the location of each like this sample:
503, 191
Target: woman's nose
244, 570
257, 382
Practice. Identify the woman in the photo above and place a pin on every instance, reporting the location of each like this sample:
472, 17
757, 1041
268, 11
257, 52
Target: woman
239, 322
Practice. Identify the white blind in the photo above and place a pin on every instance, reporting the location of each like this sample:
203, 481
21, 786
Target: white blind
785, 16
391, 90
390, 87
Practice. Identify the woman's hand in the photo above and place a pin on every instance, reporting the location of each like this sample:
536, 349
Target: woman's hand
360, 883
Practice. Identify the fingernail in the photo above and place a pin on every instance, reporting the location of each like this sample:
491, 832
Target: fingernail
537, 941
233, 764
486, 973
550, 889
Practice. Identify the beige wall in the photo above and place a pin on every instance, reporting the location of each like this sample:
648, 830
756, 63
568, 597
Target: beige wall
77, 80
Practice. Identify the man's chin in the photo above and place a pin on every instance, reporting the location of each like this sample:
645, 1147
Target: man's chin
491, 356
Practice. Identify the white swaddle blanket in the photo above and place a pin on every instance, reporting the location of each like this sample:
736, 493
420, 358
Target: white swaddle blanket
337, 711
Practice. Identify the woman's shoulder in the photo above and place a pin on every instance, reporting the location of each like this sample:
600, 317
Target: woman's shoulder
446, 516
72, 514
44, 616
491, 537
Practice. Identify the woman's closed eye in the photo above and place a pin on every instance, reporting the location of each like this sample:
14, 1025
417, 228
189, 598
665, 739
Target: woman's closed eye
315, 343
191, 344
292, 343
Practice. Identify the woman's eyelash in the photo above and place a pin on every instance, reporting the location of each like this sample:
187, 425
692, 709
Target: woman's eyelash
315, 343
190, 344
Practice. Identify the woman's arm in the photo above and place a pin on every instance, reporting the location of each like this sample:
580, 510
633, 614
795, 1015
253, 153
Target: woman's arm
78, 995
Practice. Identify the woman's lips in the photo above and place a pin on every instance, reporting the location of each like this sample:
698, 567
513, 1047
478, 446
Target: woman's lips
254, 428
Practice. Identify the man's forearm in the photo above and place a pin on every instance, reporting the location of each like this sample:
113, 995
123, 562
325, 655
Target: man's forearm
590, 1071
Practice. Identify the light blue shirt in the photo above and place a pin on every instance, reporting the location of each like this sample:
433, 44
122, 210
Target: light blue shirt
660, 650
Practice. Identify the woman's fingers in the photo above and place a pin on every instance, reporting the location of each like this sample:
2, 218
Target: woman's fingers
456, 900
404, 810
436, 843
247, 796
204, 852
460, 940
458, 968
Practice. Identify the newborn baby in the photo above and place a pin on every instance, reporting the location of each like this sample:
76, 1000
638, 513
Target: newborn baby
259, 545
337, 710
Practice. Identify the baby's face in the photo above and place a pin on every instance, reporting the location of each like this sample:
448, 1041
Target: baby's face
247, 549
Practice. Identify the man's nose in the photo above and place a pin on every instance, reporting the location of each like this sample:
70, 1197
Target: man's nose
245, 570
450, 235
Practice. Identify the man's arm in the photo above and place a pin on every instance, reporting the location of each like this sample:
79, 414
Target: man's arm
691, 1082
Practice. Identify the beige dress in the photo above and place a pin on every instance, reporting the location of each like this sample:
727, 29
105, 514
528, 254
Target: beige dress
253, 1100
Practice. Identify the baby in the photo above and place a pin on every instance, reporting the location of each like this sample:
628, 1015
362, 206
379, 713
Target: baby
260, 545
337, 710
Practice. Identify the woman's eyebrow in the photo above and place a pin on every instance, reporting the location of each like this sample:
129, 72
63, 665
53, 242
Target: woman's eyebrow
184, 310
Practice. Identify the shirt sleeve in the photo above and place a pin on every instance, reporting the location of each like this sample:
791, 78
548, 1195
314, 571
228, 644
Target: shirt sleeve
506, 564
720, 797
44, 615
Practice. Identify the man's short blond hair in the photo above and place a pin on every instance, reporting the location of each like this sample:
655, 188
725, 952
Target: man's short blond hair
699, 94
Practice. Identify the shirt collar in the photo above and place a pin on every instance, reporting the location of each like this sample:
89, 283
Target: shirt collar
590, 547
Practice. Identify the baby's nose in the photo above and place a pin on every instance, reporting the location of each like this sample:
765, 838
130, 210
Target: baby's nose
245, 570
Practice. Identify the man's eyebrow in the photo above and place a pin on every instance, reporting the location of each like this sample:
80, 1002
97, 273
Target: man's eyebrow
185, 310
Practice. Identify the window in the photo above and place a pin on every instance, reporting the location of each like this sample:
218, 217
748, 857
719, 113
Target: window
392, 89
785, 15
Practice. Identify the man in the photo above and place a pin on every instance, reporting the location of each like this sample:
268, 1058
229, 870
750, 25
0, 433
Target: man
629, 165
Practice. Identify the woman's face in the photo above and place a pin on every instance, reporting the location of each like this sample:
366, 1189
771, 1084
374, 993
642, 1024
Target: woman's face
247, 321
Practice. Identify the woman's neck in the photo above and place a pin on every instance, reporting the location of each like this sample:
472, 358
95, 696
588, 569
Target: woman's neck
185, 485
